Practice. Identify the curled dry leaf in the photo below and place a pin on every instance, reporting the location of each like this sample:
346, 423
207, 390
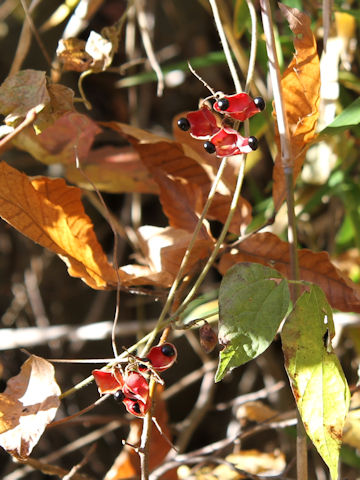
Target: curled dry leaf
50, 213
301, 92
269, 250
163, 250
28, 404
181, 172
72, 54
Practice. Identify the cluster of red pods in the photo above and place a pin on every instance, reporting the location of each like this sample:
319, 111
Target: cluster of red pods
221, 138
130, 386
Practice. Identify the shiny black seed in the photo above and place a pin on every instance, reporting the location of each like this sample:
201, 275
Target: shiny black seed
259, 102
136, 408
209, 147
184, 124
168, 350
119, 396
253, 143
223, 104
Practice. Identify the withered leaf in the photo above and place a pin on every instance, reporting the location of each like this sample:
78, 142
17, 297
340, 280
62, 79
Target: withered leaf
51, 213
113, 170
301, 92
269, 250
28, 404
21, 92
72, 54
178, 162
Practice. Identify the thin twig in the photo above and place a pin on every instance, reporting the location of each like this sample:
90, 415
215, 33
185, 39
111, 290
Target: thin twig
30, 117
35, 32
225, 46
287, 163
253, 47
145, 36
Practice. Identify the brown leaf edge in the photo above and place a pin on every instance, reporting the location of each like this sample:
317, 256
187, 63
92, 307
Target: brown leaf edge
316, 267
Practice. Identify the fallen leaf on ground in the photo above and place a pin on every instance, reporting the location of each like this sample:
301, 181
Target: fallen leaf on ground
28, 404
301, 92
268, 249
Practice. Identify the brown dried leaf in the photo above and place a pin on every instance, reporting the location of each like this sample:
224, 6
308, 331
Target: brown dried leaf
21, 92
71, 134
301, 90
163, 250
51, 213
113, 170
269, 250
180, 163
72, 54
28, 404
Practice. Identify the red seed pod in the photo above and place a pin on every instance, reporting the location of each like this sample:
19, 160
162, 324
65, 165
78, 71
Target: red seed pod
162, 356
208, 338
239, 106
228, 142
136, 387
201, 123
136, 407
108, 382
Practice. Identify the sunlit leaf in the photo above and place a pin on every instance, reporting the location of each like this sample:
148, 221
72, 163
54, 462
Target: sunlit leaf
28, 404
69, 136
253, 301
317, 380
113, 170
51, 213
301, 91
316, 267
163, 250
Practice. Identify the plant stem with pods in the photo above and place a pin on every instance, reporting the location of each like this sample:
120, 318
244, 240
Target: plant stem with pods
287, 163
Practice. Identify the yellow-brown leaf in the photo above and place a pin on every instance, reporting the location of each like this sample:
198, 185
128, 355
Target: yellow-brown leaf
301, 90
269, 250
28, 404
50, 213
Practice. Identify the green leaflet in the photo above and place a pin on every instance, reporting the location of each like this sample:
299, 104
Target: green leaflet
317, 380
253, 301
347, 118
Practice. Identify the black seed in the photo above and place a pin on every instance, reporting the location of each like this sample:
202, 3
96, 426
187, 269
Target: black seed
119, 396
136, 408
184, 124
223, 104
209, 147
259, 102
253, 143
168, 350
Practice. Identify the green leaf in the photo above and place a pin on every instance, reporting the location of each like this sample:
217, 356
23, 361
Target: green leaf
347, 118
253, 301
317, 380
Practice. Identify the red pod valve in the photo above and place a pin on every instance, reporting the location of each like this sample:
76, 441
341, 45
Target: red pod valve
108, 381
239, 106
228, 142
162, 356
201, 123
